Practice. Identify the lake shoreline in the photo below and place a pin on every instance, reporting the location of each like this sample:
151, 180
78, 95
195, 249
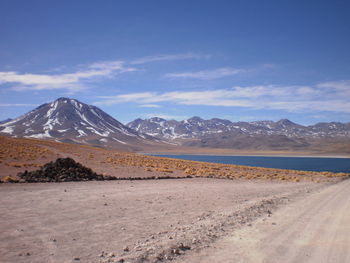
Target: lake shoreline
248, 155
300, 163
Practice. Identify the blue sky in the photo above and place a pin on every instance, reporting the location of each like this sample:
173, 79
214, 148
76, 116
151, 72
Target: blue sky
239, 60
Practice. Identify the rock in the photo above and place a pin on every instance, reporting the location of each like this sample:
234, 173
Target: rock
176, 251
138, 248
126, 249
184, 247
62, 170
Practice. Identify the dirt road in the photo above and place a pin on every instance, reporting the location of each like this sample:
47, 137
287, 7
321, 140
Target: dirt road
82, 221
315, 228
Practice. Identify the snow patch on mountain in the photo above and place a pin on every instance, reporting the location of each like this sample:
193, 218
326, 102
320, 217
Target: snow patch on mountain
196, 127
44, 135
8, 129
70, 120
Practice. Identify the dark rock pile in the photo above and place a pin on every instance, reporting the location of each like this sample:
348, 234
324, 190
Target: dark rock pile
62, 170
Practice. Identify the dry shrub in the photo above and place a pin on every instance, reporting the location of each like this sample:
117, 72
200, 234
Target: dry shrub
10, 179
165, 170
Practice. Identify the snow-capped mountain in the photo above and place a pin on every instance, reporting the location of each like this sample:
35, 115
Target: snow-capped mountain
196, 127
263, 135
70, 120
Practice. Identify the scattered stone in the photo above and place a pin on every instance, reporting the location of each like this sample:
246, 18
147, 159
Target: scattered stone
138, 248
126, 249
62, 170
176, 251
184, 247
150, 250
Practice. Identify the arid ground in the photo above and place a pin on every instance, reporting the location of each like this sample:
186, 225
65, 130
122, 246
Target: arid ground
203, 212
150, 219
17, 155
313, 228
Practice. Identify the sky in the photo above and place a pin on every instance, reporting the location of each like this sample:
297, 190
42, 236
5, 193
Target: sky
238, 60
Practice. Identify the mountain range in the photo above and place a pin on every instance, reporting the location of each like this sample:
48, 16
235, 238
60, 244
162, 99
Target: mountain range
257, 135
196, 127
69, 120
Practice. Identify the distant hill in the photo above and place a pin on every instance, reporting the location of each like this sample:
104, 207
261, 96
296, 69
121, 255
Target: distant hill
258, 135
69, 120
7, 120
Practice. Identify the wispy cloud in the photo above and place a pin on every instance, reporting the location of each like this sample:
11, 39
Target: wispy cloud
72, 82
331, 96
341, 87
77, 80
164, 116
207, 74
167, 57
149, 106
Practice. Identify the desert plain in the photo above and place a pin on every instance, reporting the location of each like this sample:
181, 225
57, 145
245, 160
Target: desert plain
159, 210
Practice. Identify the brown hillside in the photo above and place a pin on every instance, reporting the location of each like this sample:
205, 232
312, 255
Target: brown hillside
18, 155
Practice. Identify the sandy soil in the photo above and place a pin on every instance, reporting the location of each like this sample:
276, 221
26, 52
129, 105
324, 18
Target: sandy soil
143, 220
18, 155
189, 220
313, 229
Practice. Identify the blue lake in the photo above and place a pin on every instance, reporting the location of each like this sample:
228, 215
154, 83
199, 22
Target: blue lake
295, 163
